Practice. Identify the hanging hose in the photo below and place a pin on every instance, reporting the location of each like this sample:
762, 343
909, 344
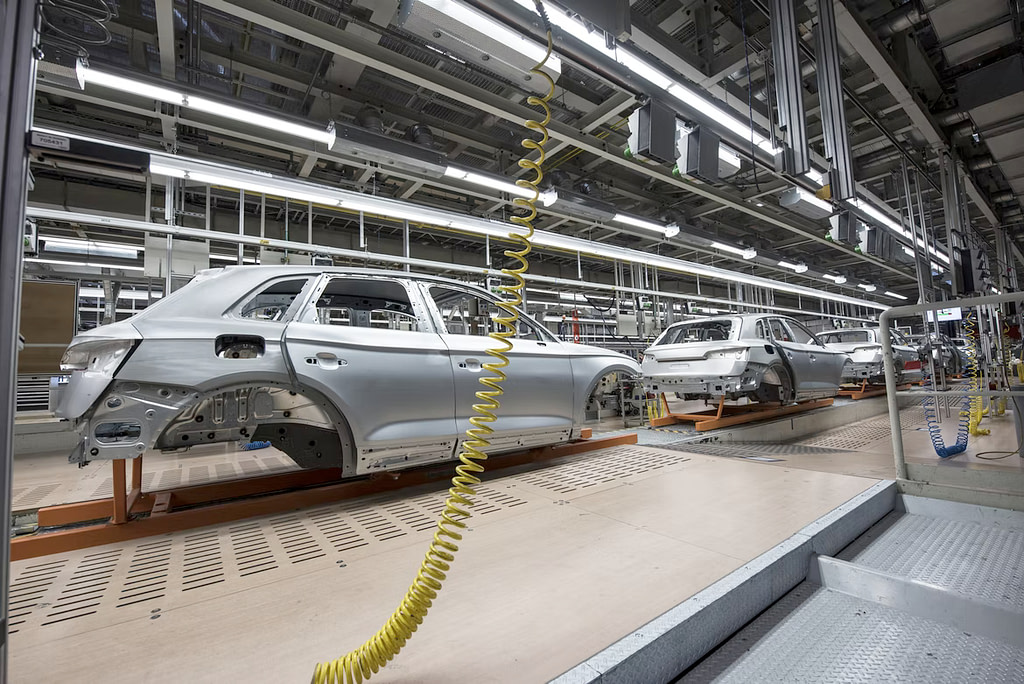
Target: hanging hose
935, 430
974, 374
385, 644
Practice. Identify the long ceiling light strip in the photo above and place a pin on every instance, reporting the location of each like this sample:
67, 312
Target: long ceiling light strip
696, 101
202, 104
880, 217
259, 182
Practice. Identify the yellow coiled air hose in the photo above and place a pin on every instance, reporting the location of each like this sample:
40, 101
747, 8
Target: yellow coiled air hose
974, 373
373, 655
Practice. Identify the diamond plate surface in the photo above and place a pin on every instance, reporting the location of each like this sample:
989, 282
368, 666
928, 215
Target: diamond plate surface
984, 561
817, 635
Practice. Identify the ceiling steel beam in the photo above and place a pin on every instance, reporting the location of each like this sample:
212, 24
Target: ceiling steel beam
289, 22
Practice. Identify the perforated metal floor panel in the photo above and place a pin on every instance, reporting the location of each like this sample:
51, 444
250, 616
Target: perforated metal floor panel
983, 561
76, 591
819, 635
746, 449
854, 629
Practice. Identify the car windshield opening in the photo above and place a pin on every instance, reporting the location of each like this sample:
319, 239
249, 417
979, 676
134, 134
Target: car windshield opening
845, 336
699, 331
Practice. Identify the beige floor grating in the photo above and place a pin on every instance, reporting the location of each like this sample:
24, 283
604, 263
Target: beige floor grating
161, 471
79, 590
587, 471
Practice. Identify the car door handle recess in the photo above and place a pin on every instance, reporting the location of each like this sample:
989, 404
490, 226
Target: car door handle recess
326, 360
470, 364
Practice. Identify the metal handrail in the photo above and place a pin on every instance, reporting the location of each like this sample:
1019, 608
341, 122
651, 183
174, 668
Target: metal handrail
891, 393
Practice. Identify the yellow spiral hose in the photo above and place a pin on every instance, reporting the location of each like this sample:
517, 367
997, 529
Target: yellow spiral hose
974, 373
385, 644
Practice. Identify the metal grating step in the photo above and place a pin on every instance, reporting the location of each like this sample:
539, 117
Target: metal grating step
983, 561
818, 635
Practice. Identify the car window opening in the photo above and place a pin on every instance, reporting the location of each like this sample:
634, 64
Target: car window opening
366, 304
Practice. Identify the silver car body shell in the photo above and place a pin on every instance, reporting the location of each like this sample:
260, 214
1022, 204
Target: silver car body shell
736, 367
359, 398
866, 357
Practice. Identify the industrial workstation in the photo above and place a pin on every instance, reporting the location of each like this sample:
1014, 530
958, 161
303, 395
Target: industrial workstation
475, 341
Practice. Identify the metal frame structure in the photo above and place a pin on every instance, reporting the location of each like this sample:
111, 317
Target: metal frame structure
985, 487
17, 76
796, 159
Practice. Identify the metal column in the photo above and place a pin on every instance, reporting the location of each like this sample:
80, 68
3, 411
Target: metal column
17, 76
796, 158
833, 110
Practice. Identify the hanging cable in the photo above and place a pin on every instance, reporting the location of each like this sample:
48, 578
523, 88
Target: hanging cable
375, 653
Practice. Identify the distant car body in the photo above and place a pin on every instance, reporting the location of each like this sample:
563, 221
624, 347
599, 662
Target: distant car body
943, 352
763, 357
353, 368
864, 345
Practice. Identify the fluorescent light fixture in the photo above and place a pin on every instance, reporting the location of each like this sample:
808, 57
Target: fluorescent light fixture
811, 198
907, 250
894, 295
257, 182
799, 268
867, 287
815, 176
481, 22
89, 247
745, 252
137, 295
639, 223
346, 199
252, 118
656, 77
130, 85
60, 262
202, 104
837, 279
487, 181
729, 157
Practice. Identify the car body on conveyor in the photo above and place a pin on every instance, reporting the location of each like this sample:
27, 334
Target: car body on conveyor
864, 345
360, 369
763, 357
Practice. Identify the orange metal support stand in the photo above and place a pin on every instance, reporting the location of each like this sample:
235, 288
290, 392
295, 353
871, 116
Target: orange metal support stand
726, 416
220, 502
865, 391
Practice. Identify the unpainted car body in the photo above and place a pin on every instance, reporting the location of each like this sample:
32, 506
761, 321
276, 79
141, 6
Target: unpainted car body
944, 353
864, 345
764, 357
354, 368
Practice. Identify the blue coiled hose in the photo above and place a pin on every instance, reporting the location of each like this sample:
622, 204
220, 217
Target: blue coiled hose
935, 430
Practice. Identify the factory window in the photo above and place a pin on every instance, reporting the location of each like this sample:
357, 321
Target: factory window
365, 303
273, 301
467, 313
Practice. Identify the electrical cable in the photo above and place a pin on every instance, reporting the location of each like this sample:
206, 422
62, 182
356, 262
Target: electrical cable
375, 653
